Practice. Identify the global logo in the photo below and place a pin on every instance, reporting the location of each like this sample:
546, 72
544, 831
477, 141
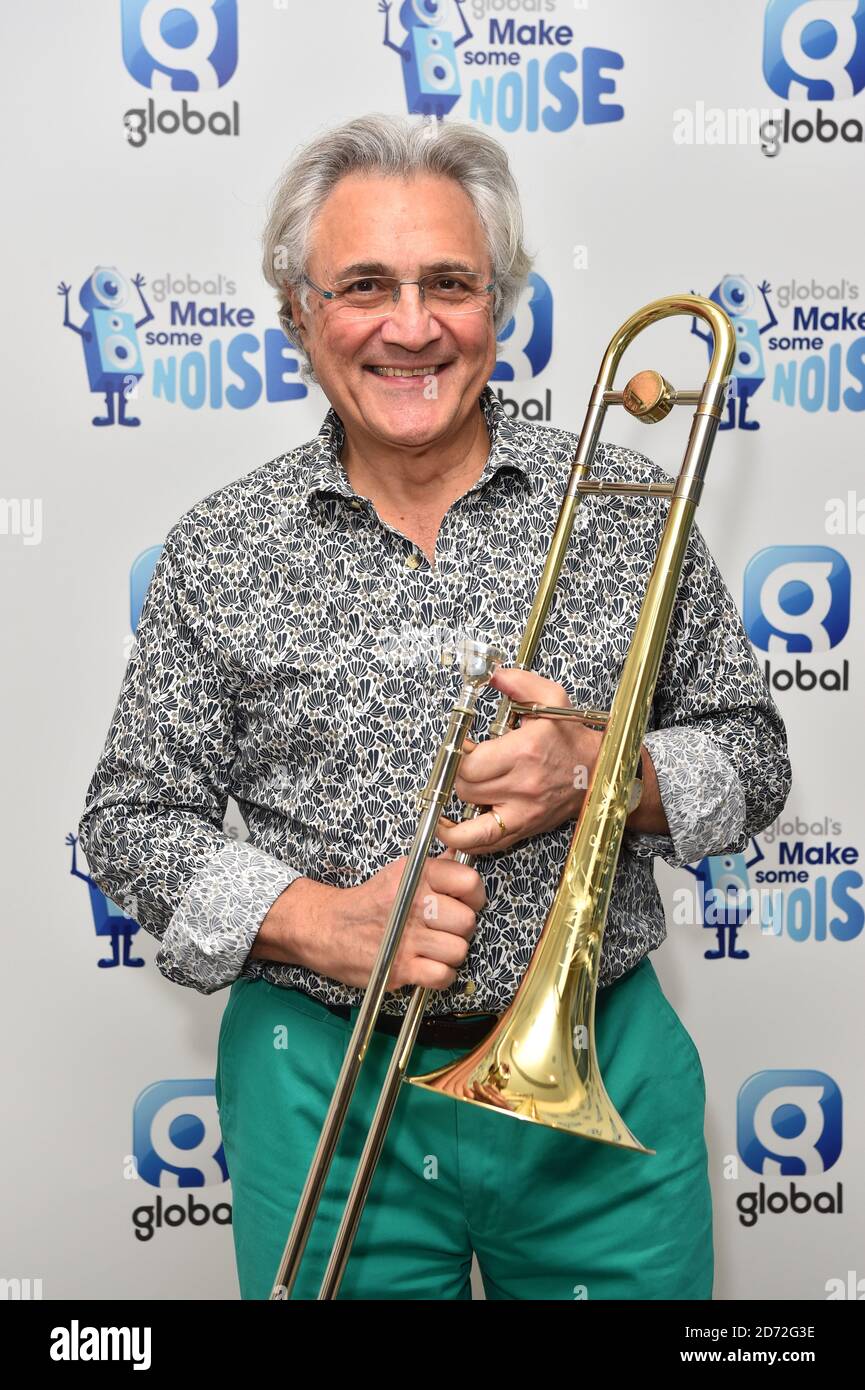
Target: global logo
797, 598
797, 601
186, 47
176, 1141
789, 1122
526, 341
814, 50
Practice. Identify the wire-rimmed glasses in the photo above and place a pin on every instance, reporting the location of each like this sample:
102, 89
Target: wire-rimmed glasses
449, 293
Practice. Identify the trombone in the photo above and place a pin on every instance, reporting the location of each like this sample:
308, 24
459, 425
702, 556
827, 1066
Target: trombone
539, 1062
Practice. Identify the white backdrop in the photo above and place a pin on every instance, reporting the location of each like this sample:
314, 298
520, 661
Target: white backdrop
672, 196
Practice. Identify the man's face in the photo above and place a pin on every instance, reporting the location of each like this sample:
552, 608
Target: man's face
408, 226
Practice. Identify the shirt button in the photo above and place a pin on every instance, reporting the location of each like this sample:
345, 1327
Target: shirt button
354, 504
469, 987
447, 657
412, 561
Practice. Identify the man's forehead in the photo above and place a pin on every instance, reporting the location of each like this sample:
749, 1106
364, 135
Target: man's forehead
378, 228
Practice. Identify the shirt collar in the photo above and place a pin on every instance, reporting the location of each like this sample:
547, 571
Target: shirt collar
326, 475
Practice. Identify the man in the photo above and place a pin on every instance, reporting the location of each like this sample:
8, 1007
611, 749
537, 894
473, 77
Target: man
296, 652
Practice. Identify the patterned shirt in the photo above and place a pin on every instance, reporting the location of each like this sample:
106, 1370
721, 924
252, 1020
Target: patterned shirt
296, 653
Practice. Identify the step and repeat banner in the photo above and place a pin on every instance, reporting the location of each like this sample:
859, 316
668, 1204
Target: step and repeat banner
679, 145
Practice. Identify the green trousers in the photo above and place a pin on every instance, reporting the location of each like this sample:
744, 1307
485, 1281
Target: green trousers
548, 1215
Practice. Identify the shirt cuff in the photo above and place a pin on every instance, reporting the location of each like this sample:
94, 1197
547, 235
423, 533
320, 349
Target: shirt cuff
701, 795
216, 921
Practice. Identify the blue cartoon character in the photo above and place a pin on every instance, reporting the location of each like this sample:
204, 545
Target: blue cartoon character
110, 337
726, 898
428, 53
108, 919
736, 296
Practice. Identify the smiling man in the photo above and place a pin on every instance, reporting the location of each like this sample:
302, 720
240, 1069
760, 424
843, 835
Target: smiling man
295, 651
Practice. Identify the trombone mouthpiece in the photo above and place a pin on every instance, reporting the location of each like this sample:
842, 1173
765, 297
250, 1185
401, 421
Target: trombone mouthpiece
478, 660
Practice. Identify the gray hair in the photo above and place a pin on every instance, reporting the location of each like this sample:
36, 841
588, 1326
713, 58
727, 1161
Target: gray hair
393, 145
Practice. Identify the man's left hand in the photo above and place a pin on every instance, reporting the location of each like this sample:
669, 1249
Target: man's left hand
534, 776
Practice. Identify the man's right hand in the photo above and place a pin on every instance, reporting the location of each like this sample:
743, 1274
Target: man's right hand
338, 931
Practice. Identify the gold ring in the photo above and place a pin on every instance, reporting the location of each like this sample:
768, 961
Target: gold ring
504, 828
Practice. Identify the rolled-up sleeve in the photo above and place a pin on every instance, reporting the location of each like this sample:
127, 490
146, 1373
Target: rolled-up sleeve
716, 737
152, 826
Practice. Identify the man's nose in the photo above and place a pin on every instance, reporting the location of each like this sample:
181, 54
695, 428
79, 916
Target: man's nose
410, 318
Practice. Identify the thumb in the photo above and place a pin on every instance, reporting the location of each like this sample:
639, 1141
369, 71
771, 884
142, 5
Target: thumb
527, 686
514, 678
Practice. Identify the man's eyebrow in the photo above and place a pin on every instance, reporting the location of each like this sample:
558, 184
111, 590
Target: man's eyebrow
379, 268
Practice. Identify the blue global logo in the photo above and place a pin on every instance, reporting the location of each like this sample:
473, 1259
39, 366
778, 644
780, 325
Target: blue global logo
176, 1139
789, 1122
814, 50
797, 598
526, 341
187, 47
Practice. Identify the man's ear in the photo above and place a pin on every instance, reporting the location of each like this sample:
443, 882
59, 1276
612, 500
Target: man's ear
296, 312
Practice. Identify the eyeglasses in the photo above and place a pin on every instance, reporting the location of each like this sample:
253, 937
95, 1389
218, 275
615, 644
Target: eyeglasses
375, 296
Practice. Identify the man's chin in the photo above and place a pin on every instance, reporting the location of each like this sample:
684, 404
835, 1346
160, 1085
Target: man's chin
407, 413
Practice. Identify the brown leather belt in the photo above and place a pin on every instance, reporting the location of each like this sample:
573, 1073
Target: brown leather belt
447, 1030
